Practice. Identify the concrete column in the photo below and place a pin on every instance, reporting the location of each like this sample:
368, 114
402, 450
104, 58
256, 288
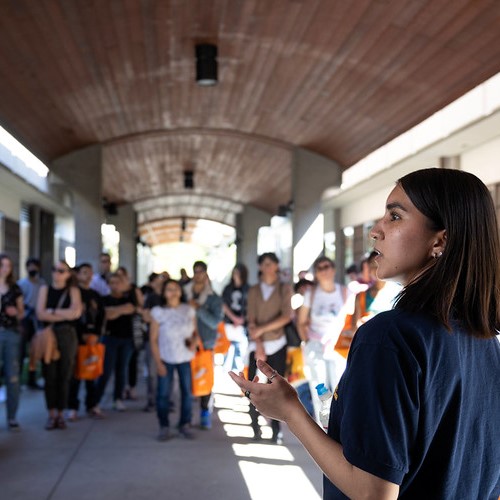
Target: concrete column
125, 223
311, 175
82, 171
248, 224
450, 162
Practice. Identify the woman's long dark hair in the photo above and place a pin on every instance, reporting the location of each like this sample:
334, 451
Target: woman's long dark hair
10, 280
243, 270
464, 283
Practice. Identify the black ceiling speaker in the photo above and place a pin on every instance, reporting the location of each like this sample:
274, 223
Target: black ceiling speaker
109, 207
188, 179
206, 64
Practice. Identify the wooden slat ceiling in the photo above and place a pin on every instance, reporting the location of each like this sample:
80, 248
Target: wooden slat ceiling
340, 78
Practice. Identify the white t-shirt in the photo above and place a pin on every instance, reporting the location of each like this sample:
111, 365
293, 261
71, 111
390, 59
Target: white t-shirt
328, 311
176, 325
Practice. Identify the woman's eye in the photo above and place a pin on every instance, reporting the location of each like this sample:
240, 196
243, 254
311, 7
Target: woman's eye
394, 216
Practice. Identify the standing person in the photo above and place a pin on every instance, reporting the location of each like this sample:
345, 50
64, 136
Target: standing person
208, 306
60, 303
416, 412
234, 306
11, 313
89, 330
185, 279
268, 311
118, 340
320, 321
30, 286
137, 299
151, 299
99, 281
173, 343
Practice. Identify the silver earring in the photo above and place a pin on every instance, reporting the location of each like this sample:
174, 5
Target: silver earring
437, 255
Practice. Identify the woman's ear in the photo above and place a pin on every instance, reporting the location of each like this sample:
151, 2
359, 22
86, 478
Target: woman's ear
439, 244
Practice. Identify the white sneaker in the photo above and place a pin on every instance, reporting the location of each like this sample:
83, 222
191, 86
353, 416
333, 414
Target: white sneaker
119, 406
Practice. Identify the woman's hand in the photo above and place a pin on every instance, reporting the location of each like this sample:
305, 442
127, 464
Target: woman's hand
254, 332
277, 400
161, 370
11, 311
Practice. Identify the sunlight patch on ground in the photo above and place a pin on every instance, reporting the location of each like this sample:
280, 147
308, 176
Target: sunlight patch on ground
265, 481
234, 417
266, 468
265, 451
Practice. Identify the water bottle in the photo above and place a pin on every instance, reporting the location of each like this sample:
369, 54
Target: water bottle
325, 396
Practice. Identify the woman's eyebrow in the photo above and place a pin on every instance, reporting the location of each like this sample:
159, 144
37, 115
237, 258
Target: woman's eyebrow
395, 204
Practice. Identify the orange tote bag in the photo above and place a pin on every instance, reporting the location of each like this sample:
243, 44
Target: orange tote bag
202, 373
89, 361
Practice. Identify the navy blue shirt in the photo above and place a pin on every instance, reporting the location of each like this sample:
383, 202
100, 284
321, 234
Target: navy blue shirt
420, 407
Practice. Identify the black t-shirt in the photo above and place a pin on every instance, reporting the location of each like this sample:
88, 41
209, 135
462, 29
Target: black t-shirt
236, 299
9, 299
419, 406
120, 327
54, 296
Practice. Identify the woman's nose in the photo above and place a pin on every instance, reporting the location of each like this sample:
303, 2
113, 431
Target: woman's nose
375, 231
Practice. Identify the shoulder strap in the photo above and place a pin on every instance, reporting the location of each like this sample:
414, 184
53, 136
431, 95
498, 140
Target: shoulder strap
62, 298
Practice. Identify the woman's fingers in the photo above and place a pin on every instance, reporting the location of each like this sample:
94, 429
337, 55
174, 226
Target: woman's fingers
267, 370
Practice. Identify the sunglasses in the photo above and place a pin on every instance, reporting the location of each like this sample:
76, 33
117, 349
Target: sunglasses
59, 270
324, 267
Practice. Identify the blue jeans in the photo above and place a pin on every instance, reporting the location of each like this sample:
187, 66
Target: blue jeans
10, 341
116, 359
164, 390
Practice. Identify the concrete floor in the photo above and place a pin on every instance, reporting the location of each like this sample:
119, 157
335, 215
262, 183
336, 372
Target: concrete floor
120, 458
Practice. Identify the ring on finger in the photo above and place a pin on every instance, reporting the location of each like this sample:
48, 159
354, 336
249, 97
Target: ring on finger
273, 375
247, 394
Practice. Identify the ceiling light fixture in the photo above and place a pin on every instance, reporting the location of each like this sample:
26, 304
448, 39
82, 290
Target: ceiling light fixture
206, 64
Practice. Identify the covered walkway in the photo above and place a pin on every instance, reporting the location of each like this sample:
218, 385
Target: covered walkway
119, 457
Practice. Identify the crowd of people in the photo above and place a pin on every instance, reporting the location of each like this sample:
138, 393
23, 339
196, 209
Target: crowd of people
167, 321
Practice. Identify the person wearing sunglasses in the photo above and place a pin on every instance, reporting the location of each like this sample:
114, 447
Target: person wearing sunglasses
60, 304
320, 321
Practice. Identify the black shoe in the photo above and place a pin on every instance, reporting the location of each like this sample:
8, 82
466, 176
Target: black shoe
14, 425
257, 434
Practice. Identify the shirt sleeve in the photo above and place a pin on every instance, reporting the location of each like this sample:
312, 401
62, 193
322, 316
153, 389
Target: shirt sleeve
379, 398
307, 298
156, 313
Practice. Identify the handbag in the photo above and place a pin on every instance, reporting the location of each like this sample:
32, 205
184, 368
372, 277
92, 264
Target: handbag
222, 343
44, 344
89, 361
202, 373
44, 347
